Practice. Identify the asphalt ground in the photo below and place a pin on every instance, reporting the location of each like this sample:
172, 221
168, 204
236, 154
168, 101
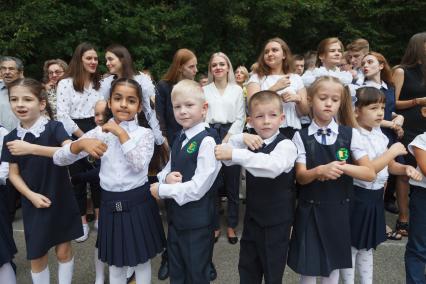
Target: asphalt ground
388, 258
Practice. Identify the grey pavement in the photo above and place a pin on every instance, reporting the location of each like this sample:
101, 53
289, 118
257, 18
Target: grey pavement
388, 259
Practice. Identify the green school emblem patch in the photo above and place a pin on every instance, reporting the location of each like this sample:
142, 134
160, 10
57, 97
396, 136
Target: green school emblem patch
192, 147
342, 154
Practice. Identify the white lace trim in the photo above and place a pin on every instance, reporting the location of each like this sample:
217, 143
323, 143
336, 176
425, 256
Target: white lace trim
38, 127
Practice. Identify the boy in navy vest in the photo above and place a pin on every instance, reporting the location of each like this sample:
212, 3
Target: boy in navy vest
269, 162
185, 184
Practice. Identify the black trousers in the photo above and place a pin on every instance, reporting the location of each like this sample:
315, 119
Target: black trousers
263, 252
190, 254
231, 183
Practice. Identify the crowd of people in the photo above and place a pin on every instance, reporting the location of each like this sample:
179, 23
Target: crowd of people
326, 141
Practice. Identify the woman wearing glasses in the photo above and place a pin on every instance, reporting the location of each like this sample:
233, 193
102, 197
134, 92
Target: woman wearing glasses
54, 70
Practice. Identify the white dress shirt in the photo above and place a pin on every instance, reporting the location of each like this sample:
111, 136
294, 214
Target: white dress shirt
148, 90
124, 166
271, 165
291, 117
4, 166
7, 118
375, 143
226, 108
74, 105
205, 173
419, 142
357, 146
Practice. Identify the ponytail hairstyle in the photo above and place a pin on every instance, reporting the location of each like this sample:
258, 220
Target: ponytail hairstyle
345, 114
35, 88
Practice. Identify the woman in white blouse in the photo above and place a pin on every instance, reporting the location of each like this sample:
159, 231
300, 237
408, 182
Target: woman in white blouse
273, 72
77, 95
226, 114
120, 65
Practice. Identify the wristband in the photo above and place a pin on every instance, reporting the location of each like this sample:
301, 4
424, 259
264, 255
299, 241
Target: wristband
414, 102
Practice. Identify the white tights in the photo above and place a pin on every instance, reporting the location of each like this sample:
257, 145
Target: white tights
362, 260
118, 275
333, 278
7, 275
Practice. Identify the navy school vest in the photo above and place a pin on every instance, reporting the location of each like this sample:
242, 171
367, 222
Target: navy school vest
317, 154
194, 214
270, 201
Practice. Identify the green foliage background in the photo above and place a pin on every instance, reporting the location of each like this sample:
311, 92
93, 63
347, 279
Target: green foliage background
36, 30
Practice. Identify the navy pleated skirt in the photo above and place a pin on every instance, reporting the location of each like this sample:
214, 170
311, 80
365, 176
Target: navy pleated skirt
320, 240
368, 227
130, 228
7, 244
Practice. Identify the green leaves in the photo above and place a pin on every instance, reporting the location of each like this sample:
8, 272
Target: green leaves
37, 30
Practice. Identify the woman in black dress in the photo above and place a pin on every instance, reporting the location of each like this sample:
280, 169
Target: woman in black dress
410, 92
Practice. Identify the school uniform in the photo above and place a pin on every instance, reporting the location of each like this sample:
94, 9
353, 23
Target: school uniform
270, 204
61, 222
368, 227
321, 241
415, 252
130, 229
226, 114
148, 91
292, 121
7, 244
190, 205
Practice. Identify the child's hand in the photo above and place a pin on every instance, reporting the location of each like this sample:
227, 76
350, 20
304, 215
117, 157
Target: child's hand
223, 152
93, 147
330, 171
19, 148
398, 149
154, 190
173, 177
113, 127
252, 141
413, 173
398, 120
39, 201
398, 131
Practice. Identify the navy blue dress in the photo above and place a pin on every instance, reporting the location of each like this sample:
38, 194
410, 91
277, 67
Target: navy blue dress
61, 222
321, 240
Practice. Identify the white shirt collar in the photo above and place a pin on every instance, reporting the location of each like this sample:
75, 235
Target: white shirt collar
366, 132
313, 127
194, 130
129, 126
36, 129
271, 139
370, 83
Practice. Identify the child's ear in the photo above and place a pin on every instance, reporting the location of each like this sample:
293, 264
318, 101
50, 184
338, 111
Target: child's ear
109, 103
248, 119
282, 117
356, 112
43, 105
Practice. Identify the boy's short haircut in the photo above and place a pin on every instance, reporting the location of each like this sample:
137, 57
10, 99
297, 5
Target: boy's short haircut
359, 44
298, 57
262, 97
189, 87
